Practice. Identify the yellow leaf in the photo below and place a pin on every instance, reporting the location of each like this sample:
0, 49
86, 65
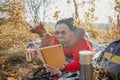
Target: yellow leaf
56, 14
1, 9
10, 13
92, 9
68, 1
92, 16
86, 14
75, 23
12, 78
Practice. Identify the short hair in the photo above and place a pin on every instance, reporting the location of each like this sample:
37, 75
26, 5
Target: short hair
67, 21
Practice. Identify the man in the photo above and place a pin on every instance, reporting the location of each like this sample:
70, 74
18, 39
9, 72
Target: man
73, 41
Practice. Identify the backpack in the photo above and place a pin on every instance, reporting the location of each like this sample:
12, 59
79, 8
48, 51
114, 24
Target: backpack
109, 59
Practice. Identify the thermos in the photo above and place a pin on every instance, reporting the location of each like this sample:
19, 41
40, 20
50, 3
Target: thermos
85, 65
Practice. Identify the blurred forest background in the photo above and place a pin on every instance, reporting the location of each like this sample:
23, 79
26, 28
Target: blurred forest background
15, 28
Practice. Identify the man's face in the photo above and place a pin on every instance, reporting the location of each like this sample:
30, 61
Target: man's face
63, 33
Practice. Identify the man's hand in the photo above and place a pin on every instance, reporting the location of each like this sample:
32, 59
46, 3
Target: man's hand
51, 69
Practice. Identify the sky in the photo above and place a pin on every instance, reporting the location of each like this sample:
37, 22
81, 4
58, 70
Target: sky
103, 9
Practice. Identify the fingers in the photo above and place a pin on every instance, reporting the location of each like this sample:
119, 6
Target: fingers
51, 68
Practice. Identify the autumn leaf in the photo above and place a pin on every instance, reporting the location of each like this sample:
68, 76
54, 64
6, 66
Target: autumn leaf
91, 9
68, 1
10, 13
56, 14
92, 16
12, 78
86, 14
76, 23
1, 9
117, 4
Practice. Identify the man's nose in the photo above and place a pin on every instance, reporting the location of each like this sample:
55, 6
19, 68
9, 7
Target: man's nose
59, 35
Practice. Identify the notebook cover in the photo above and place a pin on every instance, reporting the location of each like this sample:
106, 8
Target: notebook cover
53, 55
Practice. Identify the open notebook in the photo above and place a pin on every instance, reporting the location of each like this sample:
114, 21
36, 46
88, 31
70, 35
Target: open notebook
52, 55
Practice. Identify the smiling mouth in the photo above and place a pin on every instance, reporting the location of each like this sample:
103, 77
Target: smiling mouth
60, 38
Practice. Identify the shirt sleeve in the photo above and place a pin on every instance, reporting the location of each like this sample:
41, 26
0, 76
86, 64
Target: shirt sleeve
55, 41
73, 66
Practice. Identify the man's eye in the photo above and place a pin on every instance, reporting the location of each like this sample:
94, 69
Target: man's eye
63, 32
56, 33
